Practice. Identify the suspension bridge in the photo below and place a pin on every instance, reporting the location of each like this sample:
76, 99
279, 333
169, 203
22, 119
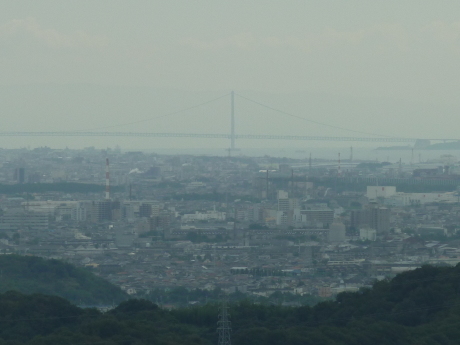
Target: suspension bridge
209, 136
232, 136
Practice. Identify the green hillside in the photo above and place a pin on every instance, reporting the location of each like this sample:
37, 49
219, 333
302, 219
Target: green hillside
30, 274
418, 307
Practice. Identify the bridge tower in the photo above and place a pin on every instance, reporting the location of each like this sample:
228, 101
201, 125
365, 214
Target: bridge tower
232, 125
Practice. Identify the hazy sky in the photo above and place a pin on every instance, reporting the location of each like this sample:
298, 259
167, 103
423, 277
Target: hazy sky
386, 67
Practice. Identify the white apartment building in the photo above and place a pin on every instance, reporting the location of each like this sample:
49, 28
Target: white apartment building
79, 213
375, 192
209, 215
367, 234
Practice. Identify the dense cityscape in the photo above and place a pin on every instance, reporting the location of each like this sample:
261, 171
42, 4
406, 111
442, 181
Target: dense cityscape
259, 226
229, 172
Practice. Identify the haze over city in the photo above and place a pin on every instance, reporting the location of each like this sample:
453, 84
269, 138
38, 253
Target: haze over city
229, 172
388, 68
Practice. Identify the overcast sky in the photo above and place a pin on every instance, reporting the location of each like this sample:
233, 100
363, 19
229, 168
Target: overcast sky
385, 67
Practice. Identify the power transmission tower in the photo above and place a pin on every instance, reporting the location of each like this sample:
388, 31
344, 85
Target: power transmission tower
224, 325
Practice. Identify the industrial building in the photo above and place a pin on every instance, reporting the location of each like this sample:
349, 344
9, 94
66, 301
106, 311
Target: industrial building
24, 220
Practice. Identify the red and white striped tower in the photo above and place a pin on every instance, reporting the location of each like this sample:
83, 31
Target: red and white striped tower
107, 180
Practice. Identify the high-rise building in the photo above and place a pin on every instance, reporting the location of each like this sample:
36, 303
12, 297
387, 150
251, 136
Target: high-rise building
325, 216
283, 201
379, 219
129, 211
359, 218
20, 175
101, 211
373, 216
145, 210
160, 222
282, 218
79, 213
256, 214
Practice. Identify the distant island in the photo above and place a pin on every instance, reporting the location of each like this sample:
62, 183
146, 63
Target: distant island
451, 145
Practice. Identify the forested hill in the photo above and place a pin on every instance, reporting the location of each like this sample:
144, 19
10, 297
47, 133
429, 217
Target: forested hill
418, 307
31, 274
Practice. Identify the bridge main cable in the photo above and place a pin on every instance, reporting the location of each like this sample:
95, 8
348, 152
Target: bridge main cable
207, 135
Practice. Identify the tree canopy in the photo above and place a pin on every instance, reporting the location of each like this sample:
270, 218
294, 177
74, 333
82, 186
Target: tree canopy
418, 307
31, 274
